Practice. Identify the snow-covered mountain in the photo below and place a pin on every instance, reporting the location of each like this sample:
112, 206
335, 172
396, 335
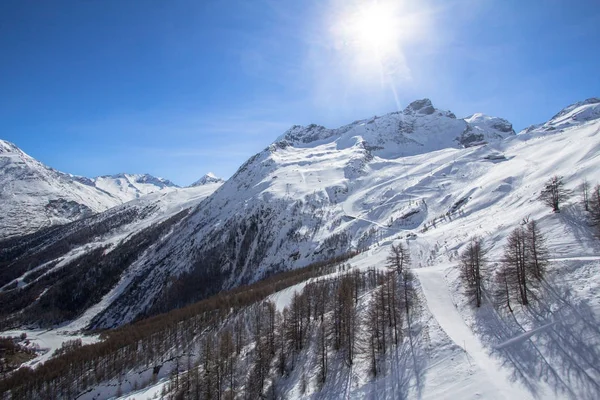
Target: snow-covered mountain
207, 179
90, 258
420, 177
420, 128
316, 193
301, 199
33, 195
127, 187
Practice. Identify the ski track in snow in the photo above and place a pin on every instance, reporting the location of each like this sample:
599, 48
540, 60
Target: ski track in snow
524, 336
439, 302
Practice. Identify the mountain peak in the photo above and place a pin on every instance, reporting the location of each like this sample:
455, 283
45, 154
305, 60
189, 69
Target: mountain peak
154, 180
207, 179
423, 106
591, 103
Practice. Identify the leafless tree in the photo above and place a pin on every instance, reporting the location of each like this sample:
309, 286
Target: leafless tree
502, 292
383, 320
585, 198
228, 358
346, 318
322, 339
375, 334
472, 261
595, 207
295, 326
399, 258
537, 251
515, 262
554, 193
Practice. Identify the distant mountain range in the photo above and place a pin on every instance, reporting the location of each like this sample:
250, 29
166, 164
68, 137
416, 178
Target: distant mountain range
34, 196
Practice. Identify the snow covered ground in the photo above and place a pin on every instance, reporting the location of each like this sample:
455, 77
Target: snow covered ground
47, 341
165, 205
432, 198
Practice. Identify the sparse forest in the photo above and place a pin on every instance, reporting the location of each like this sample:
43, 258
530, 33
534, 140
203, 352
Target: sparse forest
208, 344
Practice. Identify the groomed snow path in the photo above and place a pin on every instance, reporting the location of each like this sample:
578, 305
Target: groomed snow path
441, 306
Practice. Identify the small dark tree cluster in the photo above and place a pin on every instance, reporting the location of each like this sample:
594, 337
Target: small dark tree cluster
384, 319
525, 260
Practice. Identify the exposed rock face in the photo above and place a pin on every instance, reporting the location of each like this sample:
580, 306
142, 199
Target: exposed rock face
423, 106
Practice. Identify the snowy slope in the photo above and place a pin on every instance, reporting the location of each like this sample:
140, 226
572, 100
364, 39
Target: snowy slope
46, 261
430, 181
33, 195
127, 187
303, 198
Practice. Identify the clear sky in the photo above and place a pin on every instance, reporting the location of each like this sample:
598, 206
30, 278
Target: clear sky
179, 88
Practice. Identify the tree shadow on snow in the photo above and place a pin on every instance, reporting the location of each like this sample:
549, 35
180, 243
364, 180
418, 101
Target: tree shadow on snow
575, 221
564, 351
402, 375
572, 343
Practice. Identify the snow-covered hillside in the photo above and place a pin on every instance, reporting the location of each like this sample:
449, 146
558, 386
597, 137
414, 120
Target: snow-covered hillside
420, 177
433, 203
316, 193
38, 267
33, 196
127, 187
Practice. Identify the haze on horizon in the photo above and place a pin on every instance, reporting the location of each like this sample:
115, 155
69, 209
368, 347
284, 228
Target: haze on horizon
182, 88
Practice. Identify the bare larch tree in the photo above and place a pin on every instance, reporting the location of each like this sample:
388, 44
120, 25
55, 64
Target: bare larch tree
472, 262
554, 193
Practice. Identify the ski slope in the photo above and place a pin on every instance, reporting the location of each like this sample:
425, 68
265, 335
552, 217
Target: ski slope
443, 309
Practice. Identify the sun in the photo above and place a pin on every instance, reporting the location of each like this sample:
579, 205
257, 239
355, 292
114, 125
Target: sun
374, 27
371, 27
369, 44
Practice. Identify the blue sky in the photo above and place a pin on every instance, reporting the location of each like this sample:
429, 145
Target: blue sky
180, 88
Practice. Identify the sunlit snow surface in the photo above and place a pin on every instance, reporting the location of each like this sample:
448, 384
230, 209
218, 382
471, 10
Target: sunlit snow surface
360, 179
551, 350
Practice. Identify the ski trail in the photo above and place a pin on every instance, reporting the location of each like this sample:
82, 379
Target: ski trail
578, 258
523, 337
443, 309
